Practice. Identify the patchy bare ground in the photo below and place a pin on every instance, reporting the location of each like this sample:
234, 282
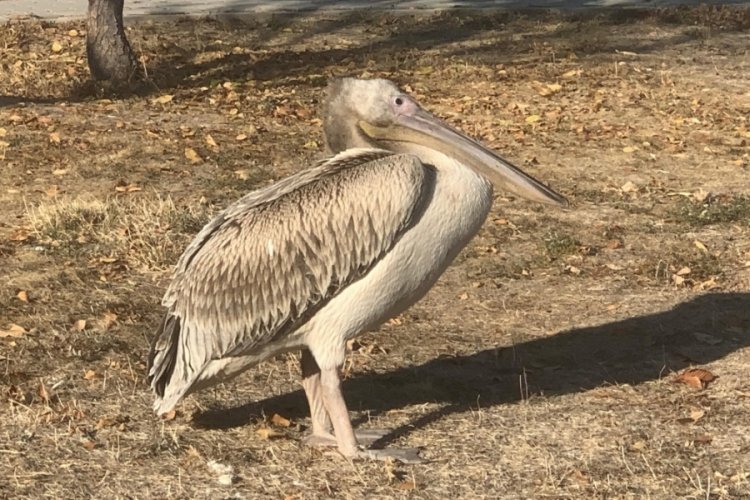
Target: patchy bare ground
540, 366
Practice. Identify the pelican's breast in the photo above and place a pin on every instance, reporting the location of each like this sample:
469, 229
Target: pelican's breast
460, 203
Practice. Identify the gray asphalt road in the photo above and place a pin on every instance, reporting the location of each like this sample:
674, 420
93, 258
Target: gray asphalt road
71, 9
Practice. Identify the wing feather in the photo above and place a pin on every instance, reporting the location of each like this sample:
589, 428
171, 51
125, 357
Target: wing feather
267, 263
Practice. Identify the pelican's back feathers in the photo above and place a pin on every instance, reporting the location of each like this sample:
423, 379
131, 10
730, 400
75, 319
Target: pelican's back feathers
262, 267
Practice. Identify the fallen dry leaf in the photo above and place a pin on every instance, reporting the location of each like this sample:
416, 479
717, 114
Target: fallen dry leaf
13, 331
696, 415
89, 375
162, 99
55, 137
546, 89
20, 235
684, 271
170, 415
211, 142
108, 319
533, 118
242, 175
709, 284
123, 187
638, 446
280, 421
268, 433
573, 73
23, 296
88, 444
192, 155
614, 244
696, 377
406, 485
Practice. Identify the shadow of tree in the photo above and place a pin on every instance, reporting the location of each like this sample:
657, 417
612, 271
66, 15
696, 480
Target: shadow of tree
630, 351
434, 32
586, 33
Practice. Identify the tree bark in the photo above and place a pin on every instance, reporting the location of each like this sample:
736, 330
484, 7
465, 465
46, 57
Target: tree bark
109, 54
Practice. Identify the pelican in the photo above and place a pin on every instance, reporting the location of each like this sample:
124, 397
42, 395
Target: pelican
330, 252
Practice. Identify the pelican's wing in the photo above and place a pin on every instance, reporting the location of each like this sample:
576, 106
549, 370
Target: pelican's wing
268, 262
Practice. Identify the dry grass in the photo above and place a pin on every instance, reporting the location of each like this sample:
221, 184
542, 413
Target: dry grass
150, 233
540, 366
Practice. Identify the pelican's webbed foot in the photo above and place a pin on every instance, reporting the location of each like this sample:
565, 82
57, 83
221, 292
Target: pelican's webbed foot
364, 437
403, 455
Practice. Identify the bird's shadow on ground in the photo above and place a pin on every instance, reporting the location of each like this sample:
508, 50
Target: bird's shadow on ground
631, 351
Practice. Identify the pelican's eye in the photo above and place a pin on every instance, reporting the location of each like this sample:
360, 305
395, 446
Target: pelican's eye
403, 105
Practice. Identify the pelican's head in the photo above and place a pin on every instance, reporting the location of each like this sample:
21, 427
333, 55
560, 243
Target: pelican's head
376, 113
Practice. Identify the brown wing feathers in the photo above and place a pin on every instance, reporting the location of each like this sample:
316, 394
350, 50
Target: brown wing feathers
267, 263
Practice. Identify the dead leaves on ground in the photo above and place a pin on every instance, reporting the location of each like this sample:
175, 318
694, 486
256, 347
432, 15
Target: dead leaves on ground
117, 422
169, 415
698, 378
695, 415
162, 99
280, 421
546, 89
101, 324
20, 235
397, 478
123, 186
13, 331
269, 432
192, 155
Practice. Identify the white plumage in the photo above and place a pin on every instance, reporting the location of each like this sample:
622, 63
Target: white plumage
330, 252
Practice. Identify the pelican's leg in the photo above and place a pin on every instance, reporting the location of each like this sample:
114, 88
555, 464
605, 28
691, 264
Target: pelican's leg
339, 415
321, 424
342, 425
320, 434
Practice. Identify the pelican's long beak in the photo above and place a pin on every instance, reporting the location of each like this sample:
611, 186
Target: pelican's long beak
421, 127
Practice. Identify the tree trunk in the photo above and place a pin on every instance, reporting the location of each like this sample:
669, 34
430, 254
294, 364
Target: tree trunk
109, 54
